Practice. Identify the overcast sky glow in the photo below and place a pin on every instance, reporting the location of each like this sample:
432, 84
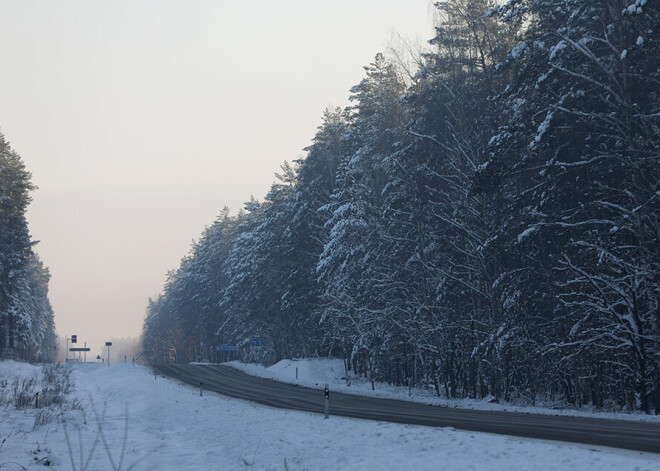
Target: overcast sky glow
140, 120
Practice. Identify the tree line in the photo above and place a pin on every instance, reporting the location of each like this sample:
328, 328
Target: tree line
27, 326
487, 224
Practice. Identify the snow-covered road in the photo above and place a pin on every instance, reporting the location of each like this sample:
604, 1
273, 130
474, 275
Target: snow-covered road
177, 429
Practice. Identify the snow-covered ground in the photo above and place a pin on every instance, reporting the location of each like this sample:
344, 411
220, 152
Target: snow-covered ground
315, 372
171, 427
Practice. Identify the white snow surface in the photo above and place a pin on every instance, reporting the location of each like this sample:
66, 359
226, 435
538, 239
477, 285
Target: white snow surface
315, 372
176, 429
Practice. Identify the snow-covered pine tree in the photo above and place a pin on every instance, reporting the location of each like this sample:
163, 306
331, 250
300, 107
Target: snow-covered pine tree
26, 317
579, 165
353, 311
253, 299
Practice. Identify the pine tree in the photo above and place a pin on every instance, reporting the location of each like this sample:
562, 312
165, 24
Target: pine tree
579, 161
26, 317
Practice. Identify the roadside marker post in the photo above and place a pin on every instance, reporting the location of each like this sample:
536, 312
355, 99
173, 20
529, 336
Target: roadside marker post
201, 387
296, 373
36, 401
326, 392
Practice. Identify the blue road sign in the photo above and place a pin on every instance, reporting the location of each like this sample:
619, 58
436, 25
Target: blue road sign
227, 348
257, 342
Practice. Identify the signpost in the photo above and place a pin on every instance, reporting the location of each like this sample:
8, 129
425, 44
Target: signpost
226, 348
108, 344
79, 349
73, 339
256, 344
257, 341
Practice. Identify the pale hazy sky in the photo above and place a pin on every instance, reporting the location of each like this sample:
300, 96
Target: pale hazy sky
140, 120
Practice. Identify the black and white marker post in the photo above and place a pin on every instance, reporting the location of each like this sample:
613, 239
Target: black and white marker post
326, 391
201, 387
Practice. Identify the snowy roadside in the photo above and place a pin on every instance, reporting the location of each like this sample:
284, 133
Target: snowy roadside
315, 372
171, 427
24, 430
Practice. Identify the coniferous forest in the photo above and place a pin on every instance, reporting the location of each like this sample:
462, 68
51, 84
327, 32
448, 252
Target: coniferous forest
487, 224
27, 327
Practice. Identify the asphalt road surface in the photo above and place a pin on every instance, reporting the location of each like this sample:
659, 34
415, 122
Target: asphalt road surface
632, 435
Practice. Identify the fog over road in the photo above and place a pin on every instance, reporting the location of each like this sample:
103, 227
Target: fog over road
632, 435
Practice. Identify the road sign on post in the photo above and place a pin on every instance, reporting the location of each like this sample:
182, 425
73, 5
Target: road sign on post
257, 341
73, 339
108, 344
79, 351
227, 348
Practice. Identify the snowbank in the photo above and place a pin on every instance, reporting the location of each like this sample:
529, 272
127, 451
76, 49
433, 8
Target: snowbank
10, 369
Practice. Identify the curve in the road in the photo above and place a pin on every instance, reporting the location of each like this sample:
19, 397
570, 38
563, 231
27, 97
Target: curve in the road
632, 435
